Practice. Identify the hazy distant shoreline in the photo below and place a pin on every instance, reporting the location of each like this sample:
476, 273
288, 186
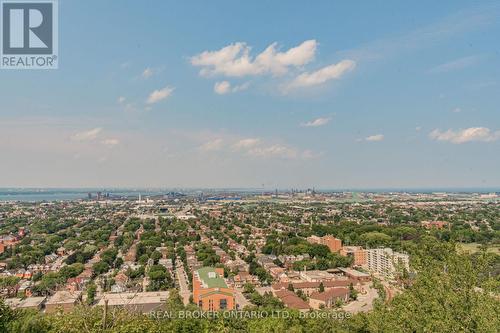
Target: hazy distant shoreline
56, 194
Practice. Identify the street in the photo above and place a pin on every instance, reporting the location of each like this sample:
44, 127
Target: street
183, 284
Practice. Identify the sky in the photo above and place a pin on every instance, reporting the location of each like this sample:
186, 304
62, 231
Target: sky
273, 94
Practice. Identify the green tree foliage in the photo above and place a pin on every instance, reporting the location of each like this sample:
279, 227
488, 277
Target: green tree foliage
91, 292
451, 292
8, 281
99, 268
71, 271
160, 279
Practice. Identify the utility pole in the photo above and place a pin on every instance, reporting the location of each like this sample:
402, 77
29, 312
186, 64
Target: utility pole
105, 314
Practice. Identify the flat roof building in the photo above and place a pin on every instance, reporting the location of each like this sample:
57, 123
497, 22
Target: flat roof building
334, 244
357, 252
387, 262
64, 300
355, 275
136, 302
210, 291
34, 303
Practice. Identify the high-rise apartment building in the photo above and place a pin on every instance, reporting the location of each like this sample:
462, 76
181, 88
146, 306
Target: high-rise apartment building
386, 262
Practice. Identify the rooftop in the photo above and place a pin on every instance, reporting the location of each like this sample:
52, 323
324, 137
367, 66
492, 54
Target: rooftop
64, 297
209, 277
354, 272
336, 292
291, 300
133, 298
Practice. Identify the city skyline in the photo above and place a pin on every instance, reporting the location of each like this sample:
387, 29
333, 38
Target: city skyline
176, 95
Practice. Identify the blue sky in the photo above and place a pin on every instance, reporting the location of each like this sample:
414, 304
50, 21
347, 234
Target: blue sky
243, 94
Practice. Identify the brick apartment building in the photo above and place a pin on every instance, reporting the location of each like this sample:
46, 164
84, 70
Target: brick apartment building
334, 244
210, 291
357, 252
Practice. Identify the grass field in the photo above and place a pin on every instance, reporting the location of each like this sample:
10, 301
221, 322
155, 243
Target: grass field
474, 247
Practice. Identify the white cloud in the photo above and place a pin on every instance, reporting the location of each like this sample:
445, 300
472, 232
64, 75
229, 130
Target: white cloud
241, 87
457, 64
150, 71
89, 135
254, 148
246, 143
258, 148
235, 61
375, 138
471, 134
316, 122
121, 100
222, 87
159, 95
456, 110
418, 128
275, 150
111, 142
331, 72
147, 73
92, 136
212, 145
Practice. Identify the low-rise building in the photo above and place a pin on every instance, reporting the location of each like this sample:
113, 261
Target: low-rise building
210, 291
355, 275
243, 278
308, 288
316, 276
33, 303
434, 224
291, 300
136, 302
328, 299
64, 300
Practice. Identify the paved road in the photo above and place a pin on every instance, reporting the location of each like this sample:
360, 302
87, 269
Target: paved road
241, 301
364, 302
184, 286
263, 290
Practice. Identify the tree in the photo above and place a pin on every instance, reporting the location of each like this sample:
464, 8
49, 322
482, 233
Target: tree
322, 287
71, 271
248, 288
8, 281
174, 301
375, 239
448, 284
155, 256
160, 278
318, 250
353, 293
118, 262
100, 267
6, 316
91, 292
